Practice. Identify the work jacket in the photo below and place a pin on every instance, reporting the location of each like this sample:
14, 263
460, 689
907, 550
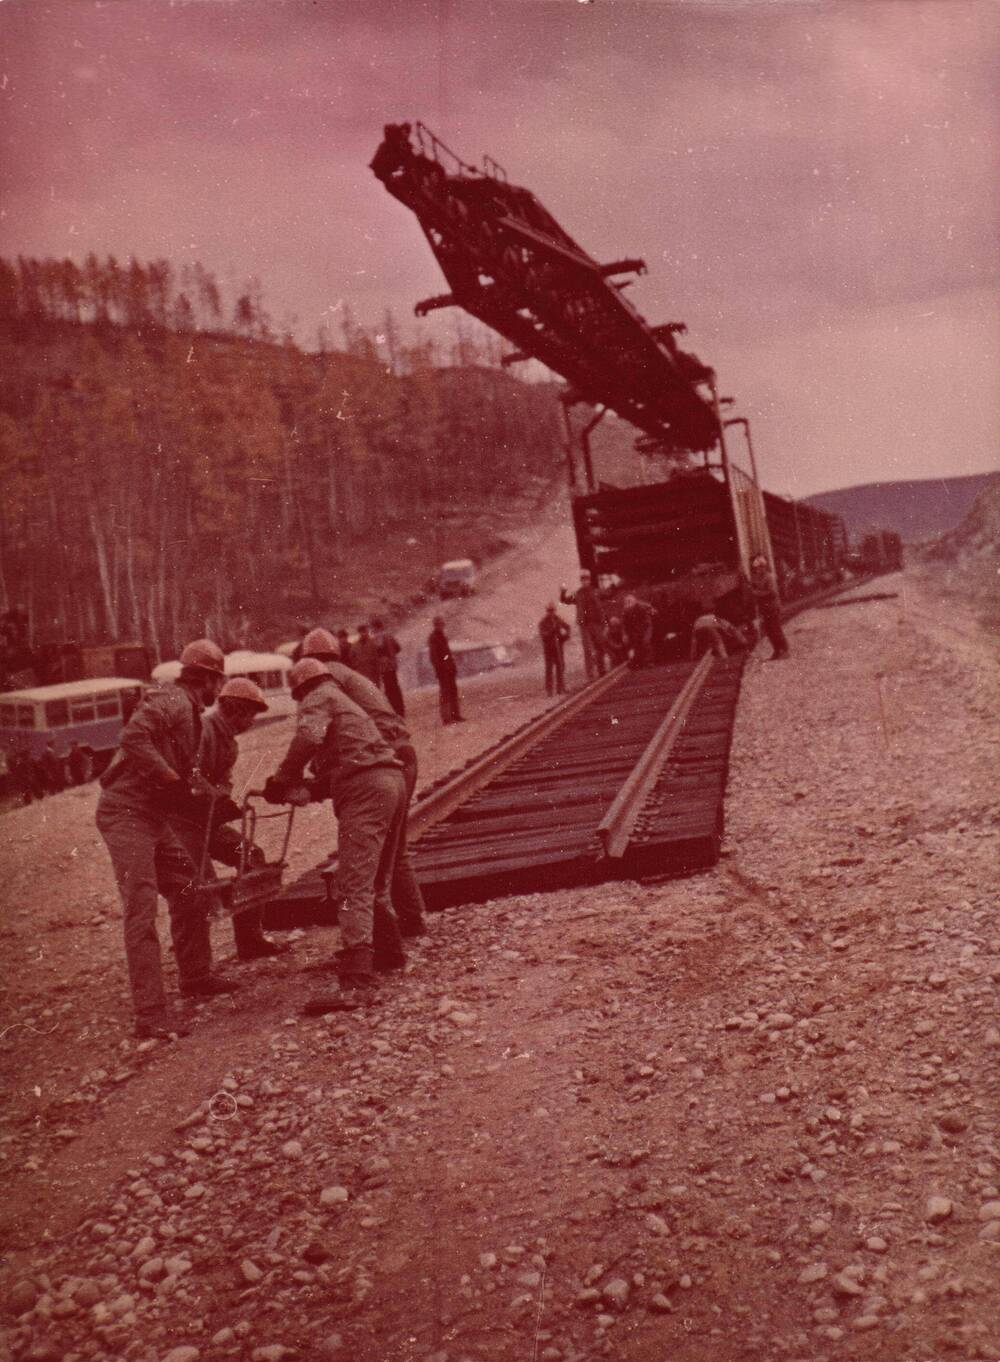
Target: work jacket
162, 737
589, 608
365, 658
217, 751
336, 736
554, 631
367, 696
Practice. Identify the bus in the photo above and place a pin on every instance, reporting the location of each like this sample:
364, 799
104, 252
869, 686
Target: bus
91, 713
268, 670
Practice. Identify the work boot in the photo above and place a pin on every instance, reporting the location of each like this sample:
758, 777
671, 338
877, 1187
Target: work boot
162, 1025
356, 977
257, 946
207, 986
388, 953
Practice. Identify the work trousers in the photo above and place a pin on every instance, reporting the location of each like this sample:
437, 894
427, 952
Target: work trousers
390, 681
407, 900
555, 671
594, 649
371, 812
448, 687
152, 856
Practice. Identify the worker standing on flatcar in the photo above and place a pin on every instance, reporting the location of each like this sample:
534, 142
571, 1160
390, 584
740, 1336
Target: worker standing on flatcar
365, 782
554, 632
151, 847
407, 900
765, 594
590, 622
240, 702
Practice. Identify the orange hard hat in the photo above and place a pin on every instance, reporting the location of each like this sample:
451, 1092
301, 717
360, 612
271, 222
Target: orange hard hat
306, 669
205, 654
320, 643
246, 691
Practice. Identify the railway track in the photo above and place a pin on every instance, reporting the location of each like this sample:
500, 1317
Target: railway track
623, 779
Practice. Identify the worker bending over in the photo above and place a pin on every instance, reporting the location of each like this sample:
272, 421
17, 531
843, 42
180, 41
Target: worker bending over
240, 702
364, 779
407, 900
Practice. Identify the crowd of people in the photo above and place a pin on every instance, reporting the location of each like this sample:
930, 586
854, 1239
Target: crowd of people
33, 776
616, 627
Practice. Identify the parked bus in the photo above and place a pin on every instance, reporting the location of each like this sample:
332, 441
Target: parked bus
267, 670
91, 713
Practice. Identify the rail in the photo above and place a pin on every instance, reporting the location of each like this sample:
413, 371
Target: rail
437, 805
615, 827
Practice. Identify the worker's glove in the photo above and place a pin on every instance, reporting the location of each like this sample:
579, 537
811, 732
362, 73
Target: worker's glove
275, 790
225, 810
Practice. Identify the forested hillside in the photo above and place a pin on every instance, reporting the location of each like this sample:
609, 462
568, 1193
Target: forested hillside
169, 470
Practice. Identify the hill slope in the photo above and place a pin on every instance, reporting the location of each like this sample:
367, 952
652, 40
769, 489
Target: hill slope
917, 509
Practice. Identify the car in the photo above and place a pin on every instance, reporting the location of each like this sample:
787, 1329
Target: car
457, 578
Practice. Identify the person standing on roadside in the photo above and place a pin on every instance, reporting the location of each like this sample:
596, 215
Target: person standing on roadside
365, 656
146, 793
446, 671
346, 651
554, 632
767, 601
590, 623
388, 657
53, 770
78, 764
407, 900
239, 704
365, 782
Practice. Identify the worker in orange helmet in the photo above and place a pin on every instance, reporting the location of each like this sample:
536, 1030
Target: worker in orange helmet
240, 702
143, 817
407, 900
365, 781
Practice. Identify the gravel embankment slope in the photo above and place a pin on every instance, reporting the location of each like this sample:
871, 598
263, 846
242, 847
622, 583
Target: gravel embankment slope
747, 1115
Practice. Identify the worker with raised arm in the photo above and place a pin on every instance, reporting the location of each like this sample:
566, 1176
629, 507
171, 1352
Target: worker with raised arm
240, 703
407, 900
360, 771
143, 816
590, 622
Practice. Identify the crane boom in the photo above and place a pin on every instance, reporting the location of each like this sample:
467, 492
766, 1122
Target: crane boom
510, 264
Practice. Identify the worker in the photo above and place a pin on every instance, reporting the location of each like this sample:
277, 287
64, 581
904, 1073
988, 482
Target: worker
765, 594
152, 848
365, 656
446, 671
388, 659
407, 900
78, 764
53, 769
637, 621
590, 623
365, 782
616, 642
239, 704
710, 632
554, 632
346, 653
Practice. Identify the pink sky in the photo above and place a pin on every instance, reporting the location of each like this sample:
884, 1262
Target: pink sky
812, 183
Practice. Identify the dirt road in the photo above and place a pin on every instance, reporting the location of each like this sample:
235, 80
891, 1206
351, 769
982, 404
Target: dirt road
748, 1115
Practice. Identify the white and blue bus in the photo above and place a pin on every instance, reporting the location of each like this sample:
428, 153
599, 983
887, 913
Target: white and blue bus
91, 713
268, 670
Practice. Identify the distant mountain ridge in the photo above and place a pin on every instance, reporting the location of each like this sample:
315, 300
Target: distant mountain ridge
917, 509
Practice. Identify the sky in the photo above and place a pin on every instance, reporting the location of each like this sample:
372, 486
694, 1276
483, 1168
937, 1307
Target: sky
812, 183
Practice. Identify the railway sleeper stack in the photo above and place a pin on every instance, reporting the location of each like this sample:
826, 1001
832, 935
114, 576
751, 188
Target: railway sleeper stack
532, 827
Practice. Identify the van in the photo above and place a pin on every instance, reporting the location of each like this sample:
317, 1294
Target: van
457, 578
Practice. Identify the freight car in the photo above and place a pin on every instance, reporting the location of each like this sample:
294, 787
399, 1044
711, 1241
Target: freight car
879, 551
